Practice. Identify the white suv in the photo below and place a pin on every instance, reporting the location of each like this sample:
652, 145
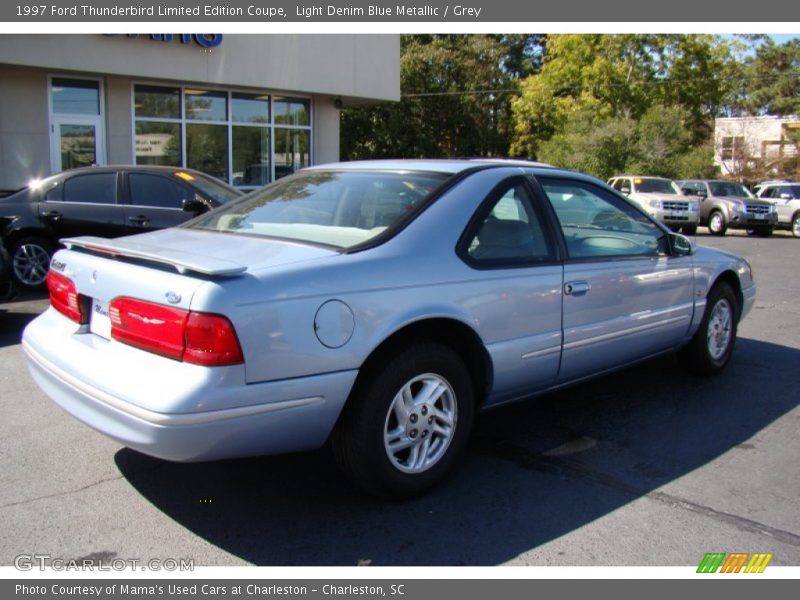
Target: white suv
661, 198
786, 198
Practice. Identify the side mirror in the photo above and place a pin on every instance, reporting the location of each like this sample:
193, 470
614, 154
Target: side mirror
195, 205
702, 193
786, 196
680, 245
625, 190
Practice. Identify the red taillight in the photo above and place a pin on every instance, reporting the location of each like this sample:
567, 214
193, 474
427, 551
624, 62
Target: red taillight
211, 340
193, 337
64, 297
153, 327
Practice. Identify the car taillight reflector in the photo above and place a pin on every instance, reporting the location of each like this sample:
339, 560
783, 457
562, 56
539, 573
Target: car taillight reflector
193, 337
211, 340
64, 297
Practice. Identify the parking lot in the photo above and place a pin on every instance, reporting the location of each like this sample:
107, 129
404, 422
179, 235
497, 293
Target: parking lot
649, 466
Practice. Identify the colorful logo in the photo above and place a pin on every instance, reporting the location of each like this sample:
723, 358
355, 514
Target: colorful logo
736, 562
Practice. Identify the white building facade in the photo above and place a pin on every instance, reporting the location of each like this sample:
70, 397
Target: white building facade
764, 145
244, 108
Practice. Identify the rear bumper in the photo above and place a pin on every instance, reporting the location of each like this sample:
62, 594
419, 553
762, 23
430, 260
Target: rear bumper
290, 415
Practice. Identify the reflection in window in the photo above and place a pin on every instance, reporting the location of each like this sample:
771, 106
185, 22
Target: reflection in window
75, 97
97, 188
292, 111
158, 143
157, 102
596, 223
207, 149
291, 151
78, 146
202, 105
250, 108
250, 156
154, 190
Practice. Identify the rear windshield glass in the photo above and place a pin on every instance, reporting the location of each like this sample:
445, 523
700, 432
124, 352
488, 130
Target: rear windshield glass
656, 186
334, 208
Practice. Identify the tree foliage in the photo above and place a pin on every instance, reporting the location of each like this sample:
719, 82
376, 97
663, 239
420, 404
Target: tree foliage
598, 103
456, 99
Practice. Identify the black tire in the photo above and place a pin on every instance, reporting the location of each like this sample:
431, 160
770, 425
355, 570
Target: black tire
30, 261
360, 438
697, 355
796, 225
764, 233
689, 230
716, 223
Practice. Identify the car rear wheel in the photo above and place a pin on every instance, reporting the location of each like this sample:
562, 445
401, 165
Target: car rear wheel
407, 422
30, 261
796, 225
711, 347
717, 224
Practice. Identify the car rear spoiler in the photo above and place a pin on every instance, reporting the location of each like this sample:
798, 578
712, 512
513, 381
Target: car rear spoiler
183, 262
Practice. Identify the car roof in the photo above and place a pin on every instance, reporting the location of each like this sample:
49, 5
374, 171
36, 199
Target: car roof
438, 165
643, 177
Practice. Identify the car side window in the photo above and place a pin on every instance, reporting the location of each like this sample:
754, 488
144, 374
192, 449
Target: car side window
157, 191
97, 188
508, 232
597, 224
619, 183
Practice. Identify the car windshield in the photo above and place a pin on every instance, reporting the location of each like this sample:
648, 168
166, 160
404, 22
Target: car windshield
655, 186
334, 208
729, 188
210, 186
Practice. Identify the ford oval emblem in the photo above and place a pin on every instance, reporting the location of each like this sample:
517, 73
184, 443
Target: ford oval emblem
173, 298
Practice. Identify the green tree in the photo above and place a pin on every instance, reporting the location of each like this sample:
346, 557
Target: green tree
772, 79
456, 99
620, 75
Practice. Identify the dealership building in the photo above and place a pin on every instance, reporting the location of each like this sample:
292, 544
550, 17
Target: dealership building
245, 108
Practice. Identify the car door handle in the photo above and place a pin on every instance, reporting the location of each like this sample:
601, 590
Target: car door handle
140, 220
53, 214
576, 287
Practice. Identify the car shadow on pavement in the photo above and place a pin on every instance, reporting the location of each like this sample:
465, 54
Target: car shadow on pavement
14, 319
533, 472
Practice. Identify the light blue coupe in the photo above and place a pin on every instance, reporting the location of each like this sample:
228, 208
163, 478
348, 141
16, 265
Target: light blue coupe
376, 304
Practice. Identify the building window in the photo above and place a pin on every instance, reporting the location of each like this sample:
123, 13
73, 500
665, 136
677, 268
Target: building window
76, 120
732, 147
245, 139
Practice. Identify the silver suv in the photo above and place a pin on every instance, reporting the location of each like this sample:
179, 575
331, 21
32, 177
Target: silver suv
785, 196
727, 204
661, 198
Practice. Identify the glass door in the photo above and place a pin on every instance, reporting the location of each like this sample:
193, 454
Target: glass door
76, 123
77, 142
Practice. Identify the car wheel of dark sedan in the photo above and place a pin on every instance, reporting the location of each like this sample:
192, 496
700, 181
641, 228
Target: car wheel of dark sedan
711, 347
407, 422
717, 224
30, 261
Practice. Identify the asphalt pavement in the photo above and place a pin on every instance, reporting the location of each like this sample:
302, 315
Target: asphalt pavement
649, 466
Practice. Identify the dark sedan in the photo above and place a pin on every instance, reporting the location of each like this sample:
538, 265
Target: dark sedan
102, 201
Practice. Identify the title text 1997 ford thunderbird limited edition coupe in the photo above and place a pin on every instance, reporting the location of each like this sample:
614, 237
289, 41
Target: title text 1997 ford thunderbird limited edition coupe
375, 304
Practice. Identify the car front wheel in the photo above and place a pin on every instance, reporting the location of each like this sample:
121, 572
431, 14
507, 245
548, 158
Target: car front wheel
717, 224
712, 346
796, 225
30, 261
407, 421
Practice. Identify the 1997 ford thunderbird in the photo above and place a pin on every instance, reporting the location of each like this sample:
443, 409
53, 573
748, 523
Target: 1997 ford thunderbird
375, 304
